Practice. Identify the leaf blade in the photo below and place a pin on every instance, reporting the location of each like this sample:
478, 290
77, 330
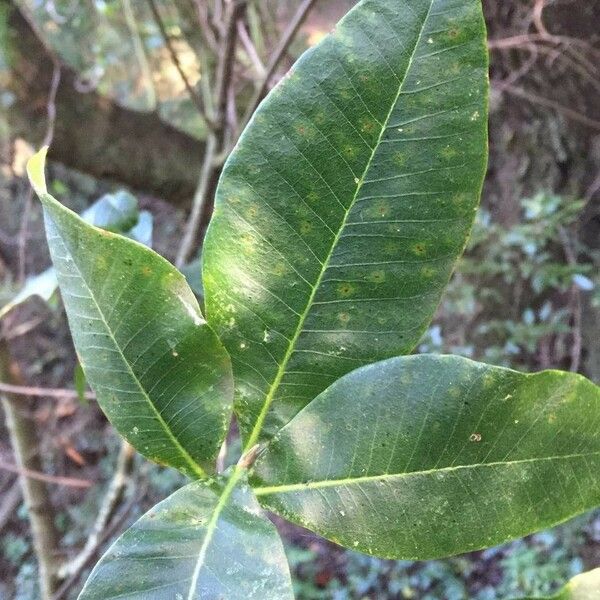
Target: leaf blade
424, 456
296, 300
201, 542
135, 348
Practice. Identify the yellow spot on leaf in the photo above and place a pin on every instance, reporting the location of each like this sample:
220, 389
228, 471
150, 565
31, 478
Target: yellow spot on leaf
305, 227
377, 276
399, 159
449, 152
346, 289
368, 125
420, 248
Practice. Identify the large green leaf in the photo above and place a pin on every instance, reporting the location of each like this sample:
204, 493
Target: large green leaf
202, 543
342, 210
160, 373
428, 456
582, 587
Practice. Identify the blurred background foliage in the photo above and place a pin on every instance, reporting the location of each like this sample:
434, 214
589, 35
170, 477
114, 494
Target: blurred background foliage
526, 294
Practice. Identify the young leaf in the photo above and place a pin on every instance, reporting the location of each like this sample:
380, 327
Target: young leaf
160, 373
200, 543
582, 587
429, 456
341, 212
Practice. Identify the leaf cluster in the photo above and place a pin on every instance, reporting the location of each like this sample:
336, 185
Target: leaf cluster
338, 220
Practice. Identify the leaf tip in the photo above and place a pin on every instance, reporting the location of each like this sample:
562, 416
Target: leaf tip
35, 171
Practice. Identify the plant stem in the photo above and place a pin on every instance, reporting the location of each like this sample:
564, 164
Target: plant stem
200, 198
216, 140
24, 443
195, 97
278, 54
111, 499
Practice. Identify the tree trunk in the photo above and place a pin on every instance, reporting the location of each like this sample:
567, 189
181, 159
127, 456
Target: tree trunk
94, 134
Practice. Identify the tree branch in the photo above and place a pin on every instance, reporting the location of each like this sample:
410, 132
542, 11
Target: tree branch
217, 138
24, 443
195, 97
22, 390
284, 43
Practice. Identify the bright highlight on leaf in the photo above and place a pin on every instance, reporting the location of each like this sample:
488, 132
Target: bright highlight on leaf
35, 170
341, 212
159, 372
428, 456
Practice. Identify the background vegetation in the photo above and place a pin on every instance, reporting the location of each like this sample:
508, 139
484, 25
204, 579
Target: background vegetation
127, 92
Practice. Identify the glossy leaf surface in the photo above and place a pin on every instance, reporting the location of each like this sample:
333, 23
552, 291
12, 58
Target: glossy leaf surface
585, 586
429, 456
195, 545
159, 372
341, 212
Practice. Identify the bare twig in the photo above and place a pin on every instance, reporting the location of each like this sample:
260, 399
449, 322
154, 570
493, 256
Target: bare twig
140, 52
51, 111
39, 476
284, 43
565, 110
111, 499
195, 97
576, 308
223, 78
592, 189
204, 19
200, 199
521, 71
109, 532
251, 51
24, 444
24, 390
10, 501
526, 38
217, 138
538, 19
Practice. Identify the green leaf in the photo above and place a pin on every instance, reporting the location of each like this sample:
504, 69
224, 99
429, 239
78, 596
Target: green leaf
80, 383
582, 587
158, 370
429, 456
201, 543
341, 212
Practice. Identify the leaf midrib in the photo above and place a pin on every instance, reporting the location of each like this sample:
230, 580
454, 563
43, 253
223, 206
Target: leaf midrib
197, 469
326, 483
256, 431
212, 526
